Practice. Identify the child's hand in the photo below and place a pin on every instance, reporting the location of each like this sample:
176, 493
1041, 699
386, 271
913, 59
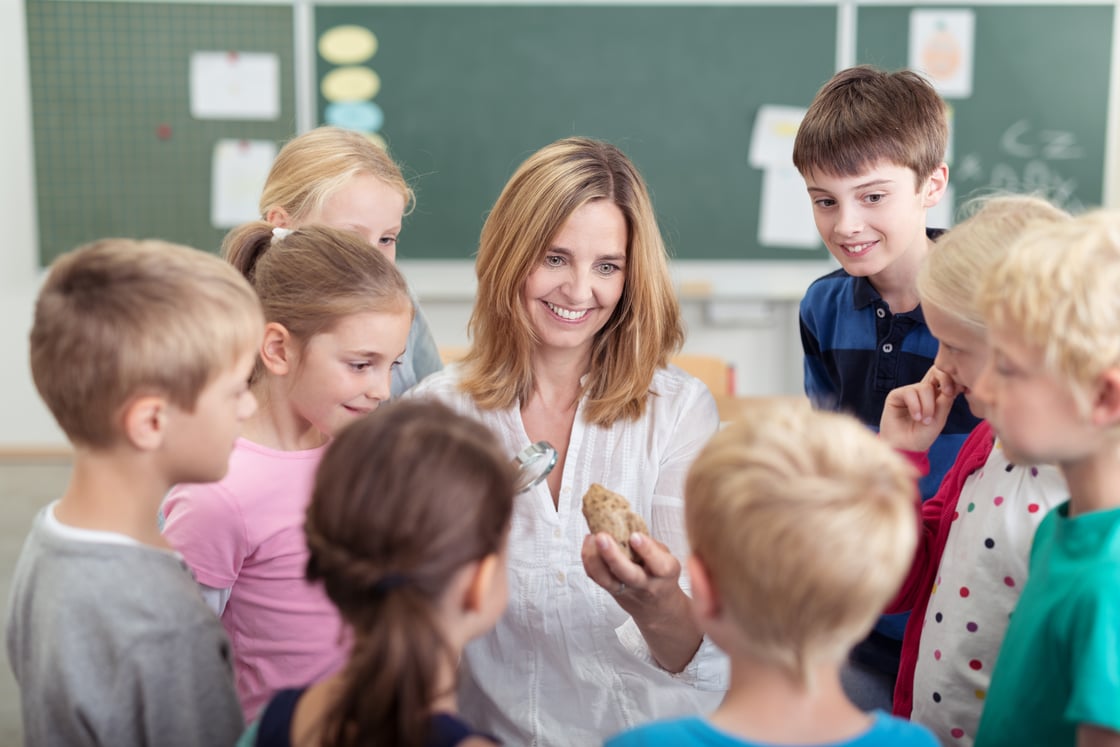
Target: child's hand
914, 415
636, 588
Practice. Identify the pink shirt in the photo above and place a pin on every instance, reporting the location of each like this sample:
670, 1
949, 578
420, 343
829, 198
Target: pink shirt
245, 533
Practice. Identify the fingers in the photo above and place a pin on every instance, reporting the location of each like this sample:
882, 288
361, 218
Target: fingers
659, 562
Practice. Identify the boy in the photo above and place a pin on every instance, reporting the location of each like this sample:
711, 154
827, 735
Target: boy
142, 351
802, 526
1051, 390
871, 149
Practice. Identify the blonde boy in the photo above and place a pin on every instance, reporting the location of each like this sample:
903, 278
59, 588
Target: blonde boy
1051, 390
872, 151
802, 525
142, 351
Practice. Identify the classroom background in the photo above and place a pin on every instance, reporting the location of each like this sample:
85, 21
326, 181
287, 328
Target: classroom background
739, 302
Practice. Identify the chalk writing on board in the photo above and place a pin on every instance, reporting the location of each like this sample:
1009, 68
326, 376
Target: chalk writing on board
1031, 162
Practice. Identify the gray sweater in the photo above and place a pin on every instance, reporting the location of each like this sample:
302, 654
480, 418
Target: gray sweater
112, 645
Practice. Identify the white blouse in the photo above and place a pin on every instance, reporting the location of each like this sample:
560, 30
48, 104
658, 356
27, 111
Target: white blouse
566, 665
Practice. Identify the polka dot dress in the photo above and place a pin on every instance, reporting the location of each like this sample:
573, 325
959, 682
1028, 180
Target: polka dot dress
978, 582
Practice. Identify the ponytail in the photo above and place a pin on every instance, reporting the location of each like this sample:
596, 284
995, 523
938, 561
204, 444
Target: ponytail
244, 245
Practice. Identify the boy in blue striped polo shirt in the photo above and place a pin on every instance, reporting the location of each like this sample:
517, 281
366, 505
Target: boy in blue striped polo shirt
871, 149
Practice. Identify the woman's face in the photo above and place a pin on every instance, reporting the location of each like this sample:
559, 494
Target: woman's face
574, 289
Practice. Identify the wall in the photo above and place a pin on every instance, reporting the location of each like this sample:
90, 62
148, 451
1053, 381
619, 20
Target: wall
753, 323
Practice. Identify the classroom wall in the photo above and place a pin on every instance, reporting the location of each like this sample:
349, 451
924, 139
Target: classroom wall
751, 320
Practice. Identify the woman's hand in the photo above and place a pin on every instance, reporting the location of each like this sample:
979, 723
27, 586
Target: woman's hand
650, 593
914, 415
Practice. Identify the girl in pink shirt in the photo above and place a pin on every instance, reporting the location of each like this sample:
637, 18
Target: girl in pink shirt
338, 315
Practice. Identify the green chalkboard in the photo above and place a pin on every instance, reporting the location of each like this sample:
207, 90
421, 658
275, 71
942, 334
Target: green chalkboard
468, 91
117, 152
1036, 119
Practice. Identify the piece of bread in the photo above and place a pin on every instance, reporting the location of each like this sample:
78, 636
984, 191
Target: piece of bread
609, 512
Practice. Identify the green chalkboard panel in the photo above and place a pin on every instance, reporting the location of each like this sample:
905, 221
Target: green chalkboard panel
117, 152
1036, 119
468, 91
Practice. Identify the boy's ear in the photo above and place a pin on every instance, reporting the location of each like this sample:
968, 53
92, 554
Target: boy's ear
145, 421
706, 604
935, 186
478, 588
1106, 408
278, 217
277, 349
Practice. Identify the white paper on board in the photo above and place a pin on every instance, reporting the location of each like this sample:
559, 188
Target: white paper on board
941, 48
786, 213
775, 128
235, 85
239, 170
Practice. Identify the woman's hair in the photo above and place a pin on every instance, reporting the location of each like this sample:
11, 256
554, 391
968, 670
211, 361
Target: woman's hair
311, 278
310, 167
403, 499
966, 254
645, 329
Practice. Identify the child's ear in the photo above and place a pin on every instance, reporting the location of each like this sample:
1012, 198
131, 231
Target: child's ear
278, 217
145, 421
1106, 409
277, 349
706, 604
478, 588
935, 186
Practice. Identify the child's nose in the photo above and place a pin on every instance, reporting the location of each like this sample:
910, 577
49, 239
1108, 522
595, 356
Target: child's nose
849, 221
380, 387
982, 388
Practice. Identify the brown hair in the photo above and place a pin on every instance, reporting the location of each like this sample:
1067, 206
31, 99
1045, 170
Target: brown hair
314, 276
312, 166
864, 115
806, 523
645, 328
403, 499
119, 317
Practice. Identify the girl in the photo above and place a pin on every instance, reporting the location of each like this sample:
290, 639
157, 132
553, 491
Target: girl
976, 531
406, 529
572, 330
337, 316
339, 178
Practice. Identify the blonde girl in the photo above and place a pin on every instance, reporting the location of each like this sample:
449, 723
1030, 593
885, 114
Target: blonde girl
337, 316
340, 178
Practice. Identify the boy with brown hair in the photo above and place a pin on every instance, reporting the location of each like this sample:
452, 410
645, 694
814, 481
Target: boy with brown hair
142, 351
802, 525
1051, 390
871, 149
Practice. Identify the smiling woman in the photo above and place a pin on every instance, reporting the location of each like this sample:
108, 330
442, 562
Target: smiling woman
572, 332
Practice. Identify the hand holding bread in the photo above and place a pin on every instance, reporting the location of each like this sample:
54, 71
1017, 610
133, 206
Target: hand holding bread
607, 511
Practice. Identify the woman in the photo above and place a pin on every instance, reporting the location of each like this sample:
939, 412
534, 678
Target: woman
573, 326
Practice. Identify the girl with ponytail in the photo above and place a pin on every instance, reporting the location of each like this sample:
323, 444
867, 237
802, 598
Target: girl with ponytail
337, 317
406, 531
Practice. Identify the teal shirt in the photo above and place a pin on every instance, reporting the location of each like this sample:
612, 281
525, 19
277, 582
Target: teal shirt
885, 731
1059, 666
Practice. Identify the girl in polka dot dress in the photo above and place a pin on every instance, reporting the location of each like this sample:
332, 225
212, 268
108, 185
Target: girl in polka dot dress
973, 550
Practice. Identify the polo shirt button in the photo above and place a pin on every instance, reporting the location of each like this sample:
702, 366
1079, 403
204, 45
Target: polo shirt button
888, 348
880, 313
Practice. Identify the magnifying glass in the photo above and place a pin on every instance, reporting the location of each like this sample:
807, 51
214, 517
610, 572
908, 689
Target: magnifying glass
533, 463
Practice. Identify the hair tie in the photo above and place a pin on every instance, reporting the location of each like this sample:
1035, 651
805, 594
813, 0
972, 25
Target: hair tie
388, 582
279, 233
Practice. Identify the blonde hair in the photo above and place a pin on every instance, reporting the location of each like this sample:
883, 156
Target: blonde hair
864, 115
645, 328
1058, 291
806, 523
313, 166
311, 278
118, 318
966, 254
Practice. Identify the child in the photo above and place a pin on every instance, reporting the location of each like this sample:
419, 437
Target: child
1051, 390
862, 330
341, 179
801, 524
407, 531
976, 532
141, 350
337, 317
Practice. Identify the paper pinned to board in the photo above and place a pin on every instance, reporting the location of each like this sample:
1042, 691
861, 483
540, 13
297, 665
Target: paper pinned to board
786, 214
775, 128
941, 48
235, 85
239, 170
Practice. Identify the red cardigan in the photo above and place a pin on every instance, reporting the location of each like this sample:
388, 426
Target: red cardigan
936, 518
